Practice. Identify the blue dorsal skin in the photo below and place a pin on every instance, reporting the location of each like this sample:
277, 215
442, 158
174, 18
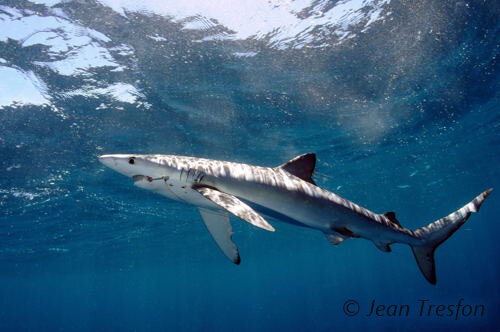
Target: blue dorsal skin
286, 193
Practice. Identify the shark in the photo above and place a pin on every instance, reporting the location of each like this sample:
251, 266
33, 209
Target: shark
285, 193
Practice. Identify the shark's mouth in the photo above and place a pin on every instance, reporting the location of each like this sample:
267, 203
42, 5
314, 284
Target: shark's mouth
139, 177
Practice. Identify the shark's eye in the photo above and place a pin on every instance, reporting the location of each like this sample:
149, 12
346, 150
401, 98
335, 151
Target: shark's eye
131, 161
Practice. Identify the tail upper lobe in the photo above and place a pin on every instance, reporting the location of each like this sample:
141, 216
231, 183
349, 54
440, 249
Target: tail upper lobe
437, 232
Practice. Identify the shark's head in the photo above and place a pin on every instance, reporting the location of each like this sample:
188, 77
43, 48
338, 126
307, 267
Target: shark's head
143, 169
167, 175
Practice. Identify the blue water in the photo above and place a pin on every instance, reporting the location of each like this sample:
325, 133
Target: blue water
399, 100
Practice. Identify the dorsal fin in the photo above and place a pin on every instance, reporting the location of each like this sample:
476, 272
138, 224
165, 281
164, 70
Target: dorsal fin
392, 217
301, 166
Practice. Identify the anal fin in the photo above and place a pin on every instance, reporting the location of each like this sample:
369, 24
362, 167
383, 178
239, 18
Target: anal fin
334, 239
385, 247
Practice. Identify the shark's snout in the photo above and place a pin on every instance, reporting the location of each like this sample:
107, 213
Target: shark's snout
119, 163
107, 160
133, 166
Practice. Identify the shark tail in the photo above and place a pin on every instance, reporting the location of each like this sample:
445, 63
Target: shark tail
439, 231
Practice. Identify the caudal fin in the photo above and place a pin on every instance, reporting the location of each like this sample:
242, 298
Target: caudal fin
437, 232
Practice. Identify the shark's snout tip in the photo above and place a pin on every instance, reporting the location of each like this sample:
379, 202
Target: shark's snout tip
105, 159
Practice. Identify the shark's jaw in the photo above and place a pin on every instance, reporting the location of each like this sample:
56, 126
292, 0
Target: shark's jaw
140, 177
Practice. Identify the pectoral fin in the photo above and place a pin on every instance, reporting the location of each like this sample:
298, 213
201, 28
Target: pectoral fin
218, 225
235, 206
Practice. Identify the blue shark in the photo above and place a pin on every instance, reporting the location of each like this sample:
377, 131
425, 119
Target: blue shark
287, 193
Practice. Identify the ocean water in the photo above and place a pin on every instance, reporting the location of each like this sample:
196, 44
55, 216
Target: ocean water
398, 99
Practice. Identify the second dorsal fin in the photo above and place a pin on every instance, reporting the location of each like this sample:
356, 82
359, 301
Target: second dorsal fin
392, 217
301, 166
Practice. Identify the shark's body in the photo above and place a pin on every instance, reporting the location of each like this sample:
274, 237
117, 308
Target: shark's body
287, 193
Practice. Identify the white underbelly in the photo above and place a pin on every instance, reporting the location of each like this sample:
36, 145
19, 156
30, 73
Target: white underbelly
179, 191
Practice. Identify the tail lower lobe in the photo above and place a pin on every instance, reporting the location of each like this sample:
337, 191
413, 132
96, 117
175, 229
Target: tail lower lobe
439, 231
